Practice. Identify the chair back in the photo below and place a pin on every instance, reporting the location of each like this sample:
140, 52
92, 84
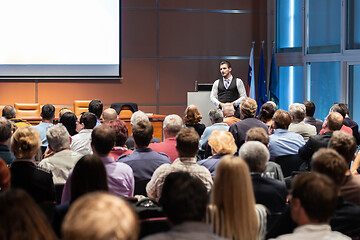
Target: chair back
81, 106
140, 187
289, 163
125, 109
24, 110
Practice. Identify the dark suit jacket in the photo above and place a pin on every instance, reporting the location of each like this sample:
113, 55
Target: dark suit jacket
313, 144
354, 127
315, 122
270, 192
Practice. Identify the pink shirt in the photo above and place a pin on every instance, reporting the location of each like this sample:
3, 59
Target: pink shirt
168, 147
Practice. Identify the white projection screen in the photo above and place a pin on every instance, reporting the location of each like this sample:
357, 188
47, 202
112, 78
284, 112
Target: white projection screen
60, 38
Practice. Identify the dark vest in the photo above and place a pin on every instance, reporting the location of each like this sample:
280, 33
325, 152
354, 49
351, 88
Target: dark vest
227, 95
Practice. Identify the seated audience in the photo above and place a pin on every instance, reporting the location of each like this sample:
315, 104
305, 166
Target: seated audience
309, 116
5, 134
36, 181
70, 121
96, 107
109, 115
336, 107
5, 176
297, 112
172, 125
271, 193
9, 113
282, 142
63, 158
248, 110
192, 119
184, 200
135, 118
143, 161
187, 146
216, 117
21, 218
120, 176
313, 201
233, 213
229, 114
98, 216
351, 123
63, 111
47, 117
221, 143
267, 111
121, 133
81, 142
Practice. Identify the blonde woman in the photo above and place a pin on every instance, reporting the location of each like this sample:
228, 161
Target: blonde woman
233, 213
221, 143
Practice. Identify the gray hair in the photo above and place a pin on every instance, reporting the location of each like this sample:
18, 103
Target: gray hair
137, 117
5, 129
58, 137
256, 155
173, 123
297, 110
216, 115
228, 108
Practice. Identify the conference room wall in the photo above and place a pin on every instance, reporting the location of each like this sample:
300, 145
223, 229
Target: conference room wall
165, 50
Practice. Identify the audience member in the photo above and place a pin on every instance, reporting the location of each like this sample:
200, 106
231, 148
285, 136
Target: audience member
5, 176
143, 161
69, 120
229, 114
38, 182
81, 142
63, 111
109, 115
135, 118
313, 201
98, 216
216, 117
120, 176
121, 133
336, 107
297, 112
248, 110
187, 146
5, 135
184, 200
96, 107
192, 119
9, 113
309, 116
21, 218
63, 158
267, 111
221, 143
233, 213
47, 116
172, 125
282, 142
351, 123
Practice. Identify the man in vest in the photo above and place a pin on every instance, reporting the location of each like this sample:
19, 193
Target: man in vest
226, 90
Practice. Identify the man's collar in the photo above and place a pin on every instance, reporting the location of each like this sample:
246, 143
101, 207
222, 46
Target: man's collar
230, 78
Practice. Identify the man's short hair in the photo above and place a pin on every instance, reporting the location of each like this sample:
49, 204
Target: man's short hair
228, 109
109, 114
184, 198
344, 144
48, 112
88, 119
173, 123
138, 116
248, 107
297, 110
329, 162
187, 142
142, 133
336, 107
310, 108
58, 137
335, 121
256, 155
96, 107
103, 139
216, 115
225, 62
258, 134
282, 119
121, 132
318, 195
5, 129
344, 107
9, 112
267, 111
98, 216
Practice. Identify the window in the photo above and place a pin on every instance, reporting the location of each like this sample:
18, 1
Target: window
291, 87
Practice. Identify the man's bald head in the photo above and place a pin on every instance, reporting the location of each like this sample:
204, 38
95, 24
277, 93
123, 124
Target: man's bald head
109, 114
228, 109
335, 121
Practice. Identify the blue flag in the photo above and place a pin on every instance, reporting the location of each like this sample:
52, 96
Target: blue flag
273, 81
261, 96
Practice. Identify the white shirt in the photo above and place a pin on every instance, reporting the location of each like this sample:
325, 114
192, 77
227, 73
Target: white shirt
239, 85
81, 142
